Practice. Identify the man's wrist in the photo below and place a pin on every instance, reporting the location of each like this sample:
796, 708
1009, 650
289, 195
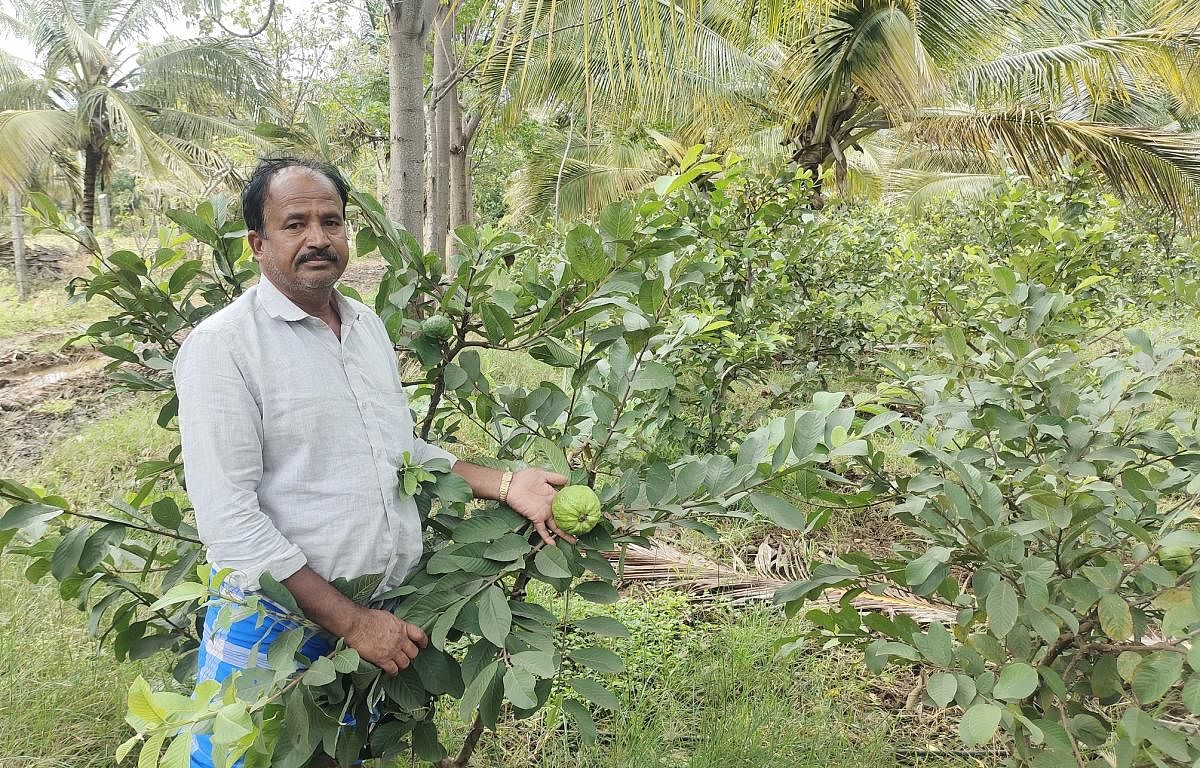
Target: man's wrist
350, 621
322, 603
505, 484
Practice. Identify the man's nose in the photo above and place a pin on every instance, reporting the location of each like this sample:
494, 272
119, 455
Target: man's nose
317, 236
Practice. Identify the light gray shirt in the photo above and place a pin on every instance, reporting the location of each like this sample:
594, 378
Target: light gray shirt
292, 440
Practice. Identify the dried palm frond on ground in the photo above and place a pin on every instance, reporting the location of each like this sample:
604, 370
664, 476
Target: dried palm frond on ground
775, 564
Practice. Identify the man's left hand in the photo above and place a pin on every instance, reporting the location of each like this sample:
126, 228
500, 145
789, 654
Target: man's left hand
530, 494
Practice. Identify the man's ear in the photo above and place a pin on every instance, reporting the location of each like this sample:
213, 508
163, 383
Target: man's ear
256, 241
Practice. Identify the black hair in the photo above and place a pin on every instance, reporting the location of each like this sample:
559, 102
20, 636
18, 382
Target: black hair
254, 196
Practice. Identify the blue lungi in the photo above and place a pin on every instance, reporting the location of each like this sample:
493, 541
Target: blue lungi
224, 651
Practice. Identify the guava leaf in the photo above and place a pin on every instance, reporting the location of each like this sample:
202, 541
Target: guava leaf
978, 725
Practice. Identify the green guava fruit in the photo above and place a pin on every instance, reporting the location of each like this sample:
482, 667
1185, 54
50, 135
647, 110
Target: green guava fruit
1175, 559
437, 327
576, 509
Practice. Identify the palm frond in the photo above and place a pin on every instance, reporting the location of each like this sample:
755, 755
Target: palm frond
1115, 67
137, 19
15, 25
873, 48
25, 93
66, 44
1181, 16
10, 68
29, 137
192, 72
763, 148
158, 154
572, 176
956, 31
920, 187
774, 566
1159, 164
865, 171
659, 57
19, 90
206, 166
193, 127
675, 148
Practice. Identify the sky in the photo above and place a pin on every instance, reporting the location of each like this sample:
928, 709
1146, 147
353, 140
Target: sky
176, 27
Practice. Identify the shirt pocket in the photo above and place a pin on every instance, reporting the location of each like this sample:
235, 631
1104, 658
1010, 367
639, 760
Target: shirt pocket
395, 420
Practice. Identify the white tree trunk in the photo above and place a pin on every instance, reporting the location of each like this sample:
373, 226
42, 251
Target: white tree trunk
440, 117
408, 29
431, 150
461, 203
18, 243
105, 210
381, 174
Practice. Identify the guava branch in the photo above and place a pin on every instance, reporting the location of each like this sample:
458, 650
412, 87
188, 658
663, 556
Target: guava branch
468, 747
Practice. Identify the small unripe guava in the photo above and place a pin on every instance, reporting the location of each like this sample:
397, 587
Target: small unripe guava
1175, 559
437, 327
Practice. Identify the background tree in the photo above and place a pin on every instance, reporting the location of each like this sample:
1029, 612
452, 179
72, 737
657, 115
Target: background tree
93, 91
990, 84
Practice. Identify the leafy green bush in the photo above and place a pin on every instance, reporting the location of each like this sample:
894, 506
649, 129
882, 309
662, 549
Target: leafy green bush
604, 310
1056, 522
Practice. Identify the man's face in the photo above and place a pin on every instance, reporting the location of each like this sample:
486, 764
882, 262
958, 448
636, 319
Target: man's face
302, 246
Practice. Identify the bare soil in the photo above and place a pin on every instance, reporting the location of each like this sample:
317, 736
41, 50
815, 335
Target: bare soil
45, 397
364, 274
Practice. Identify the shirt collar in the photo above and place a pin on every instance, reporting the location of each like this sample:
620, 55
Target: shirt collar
281, 307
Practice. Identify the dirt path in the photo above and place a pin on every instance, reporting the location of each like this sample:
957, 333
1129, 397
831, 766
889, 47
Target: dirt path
364, 274
45, 396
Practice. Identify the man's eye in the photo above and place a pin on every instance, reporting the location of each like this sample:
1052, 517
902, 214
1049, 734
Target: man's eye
294, 226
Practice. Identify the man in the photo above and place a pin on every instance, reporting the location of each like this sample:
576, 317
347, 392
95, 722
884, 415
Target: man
294, 423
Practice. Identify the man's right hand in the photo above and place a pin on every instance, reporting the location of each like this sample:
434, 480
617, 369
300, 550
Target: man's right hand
384, 640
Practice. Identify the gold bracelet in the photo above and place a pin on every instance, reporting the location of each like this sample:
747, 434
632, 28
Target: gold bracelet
505, 481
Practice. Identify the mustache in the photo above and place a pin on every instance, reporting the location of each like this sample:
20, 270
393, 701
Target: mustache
322, 254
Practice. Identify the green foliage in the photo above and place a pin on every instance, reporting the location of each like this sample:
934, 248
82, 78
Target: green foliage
1042, 499
1046, 490
603, 311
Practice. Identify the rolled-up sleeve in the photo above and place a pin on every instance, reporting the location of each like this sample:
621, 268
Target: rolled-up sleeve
220, 425
424, 451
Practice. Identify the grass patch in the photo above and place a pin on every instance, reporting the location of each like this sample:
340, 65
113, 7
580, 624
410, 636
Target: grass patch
704, 690
61, 702
99, 460
46, 310
55, 406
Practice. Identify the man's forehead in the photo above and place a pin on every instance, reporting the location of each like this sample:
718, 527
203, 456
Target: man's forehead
299, 186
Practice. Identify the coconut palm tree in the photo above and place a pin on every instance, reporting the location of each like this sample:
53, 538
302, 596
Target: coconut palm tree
1021, 84
95, 89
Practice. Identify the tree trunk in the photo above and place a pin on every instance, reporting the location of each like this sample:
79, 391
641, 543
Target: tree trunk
91, 169
439, 166
18, 243
105, 210
381, 172
461, 203
430, 174
408, 28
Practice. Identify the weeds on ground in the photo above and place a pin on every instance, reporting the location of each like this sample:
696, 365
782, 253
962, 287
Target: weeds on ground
46, 314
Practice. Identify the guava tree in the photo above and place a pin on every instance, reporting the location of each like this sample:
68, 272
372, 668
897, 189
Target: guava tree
604, 312
1050, 498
